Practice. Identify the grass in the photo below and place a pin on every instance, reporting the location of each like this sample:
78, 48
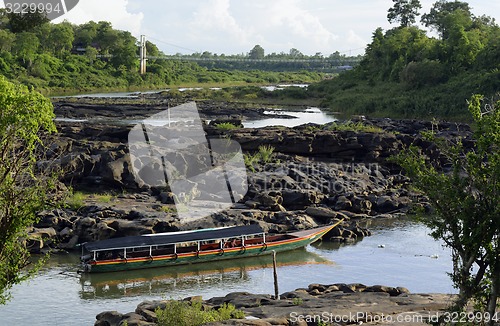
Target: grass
354, 126
184, 313
78, 199
226, 126
250, 161
168, 209
264, 155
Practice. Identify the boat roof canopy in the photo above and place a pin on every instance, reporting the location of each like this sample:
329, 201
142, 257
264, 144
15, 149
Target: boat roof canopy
174, 237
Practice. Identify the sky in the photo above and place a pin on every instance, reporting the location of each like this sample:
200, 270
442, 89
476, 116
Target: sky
236, 26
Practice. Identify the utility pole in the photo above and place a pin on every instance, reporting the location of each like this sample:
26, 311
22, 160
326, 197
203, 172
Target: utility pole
143, 55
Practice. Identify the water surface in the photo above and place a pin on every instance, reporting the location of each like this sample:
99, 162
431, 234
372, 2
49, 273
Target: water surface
291, 118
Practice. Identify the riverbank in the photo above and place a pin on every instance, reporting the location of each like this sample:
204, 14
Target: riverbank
318, 304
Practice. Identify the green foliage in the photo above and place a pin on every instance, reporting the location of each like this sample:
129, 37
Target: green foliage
423, 73
406, 73
184, 313
167, 209
250, 161
257, 52
26, 22
76, 200
440, 11
467, 202
60, 40
226, 126
102, 198
297, 301
354, 126
56, 58
26, 46
404, 12
266, 153
24, 188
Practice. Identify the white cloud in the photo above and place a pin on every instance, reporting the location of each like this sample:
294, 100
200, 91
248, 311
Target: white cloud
302, 25
213, 20
114, 11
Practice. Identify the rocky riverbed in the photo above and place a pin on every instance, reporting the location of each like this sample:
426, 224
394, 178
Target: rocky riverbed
316, 175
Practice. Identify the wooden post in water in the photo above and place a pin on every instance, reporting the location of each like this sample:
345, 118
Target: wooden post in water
275, 274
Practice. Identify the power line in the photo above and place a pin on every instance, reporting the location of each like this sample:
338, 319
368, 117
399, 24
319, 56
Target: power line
174, 45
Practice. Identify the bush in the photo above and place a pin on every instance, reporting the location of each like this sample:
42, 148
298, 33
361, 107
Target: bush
354, 126
185, 313
226, 126
266, 153
427, 72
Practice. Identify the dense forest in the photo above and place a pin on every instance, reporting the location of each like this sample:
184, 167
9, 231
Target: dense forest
407, 73
66, 57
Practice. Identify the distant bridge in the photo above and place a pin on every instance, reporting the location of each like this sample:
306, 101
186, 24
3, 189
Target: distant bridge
333, 63
336, 62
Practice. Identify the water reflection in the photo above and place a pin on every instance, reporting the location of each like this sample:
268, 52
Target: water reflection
157, 281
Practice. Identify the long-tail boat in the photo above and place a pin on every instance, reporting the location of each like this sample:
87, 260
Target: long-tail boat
161, 281
189, 247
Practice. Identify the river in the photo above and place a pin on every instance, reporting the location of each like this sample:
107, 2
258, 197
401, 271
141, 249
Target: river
399, 253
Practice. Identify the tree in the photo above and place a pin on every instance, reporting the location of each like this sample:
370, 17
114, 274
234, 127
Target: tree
26, 22
26, 47
257, 52
85, 34
467, 203
91, 54
295, 54
43, 33
24, 115
124, 51
404, 12
6, 40
152, 49
436, 18
61, 38
106, 36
